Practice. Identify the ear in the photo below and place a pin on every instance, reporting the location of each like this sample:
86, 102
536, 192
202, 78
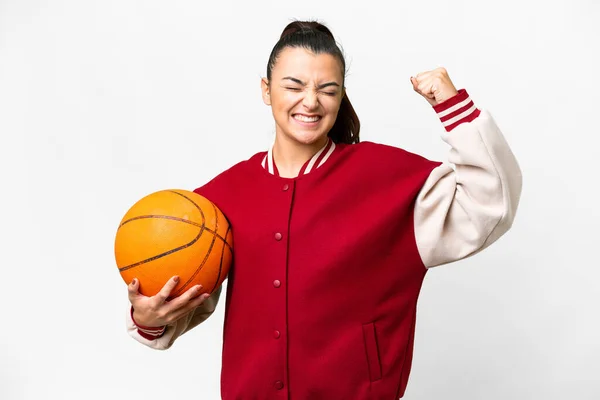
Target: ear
266, 91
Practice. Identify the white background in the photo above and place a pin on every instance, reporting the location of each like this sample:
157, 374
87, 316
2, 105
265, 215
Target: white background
102, 102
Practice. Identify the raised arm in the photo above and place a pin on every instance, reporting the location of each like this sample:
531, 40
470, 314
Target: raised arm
467, 203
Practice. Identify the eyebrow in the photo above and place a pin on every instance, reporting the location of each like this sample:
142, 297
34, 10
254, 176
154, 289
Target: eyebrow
298, 81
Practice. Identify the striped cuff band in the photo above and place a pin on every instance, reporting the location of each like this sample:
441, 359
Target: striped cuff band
148, 332
457, 110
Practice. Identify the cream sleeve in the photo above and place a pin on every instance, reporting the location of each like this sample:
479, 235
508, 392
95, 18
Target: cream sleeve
469, 202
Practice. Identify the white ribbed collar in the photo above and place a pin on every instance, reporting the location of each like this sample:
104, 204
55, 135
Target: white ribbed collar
315, 162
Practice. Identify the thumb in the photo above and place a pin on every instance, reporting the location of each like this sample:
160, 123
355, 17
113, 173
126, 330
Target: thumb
133, 288
413, 80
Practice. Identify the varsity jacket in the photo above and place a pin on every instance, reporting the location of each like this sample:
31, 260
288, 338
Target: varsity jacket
321, 299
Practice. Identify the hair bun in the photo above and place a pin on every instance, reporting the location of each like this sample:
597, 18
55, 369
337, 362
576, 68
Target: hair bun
305, 26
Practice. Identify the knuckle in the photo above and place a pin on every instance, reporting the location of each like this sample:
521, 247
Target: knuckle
134, 300
188, 298
155, 305
195, 304
161, 296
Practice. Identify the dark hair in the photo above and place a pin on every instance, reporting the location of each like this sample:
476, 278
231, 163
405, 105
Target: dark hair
318, 39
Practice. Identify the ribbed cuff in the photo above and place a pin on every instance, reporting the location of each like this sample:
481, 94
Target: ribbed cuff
148, 332
457, 110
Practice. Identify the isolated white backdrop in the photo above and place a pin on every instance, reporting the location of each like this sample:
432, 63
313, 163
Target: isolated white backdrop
102, 102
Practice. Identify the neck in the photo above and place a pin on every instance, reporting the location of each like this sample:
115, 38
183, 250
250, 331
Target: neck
290, 155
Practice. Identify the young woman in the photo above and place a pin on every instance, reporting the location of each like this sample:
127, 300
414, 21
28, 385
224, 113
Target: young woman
333, 237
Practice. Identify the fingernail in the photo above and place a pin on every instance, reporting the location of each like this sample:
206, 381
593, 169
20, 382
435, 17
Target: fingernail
206, 296
134, 281
176, 279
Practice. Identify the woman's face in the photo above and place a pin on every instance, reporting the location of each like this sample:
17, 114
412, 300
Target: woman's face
305, 94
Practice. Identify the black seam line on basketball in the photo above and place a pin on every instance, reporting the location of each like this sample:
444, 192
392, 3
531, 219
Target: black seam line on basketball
179, 220
211, 244
224, 239
225, 245
204, 219
156, 257
162, 217
191, 278
169, 216
221, 261
125, 268
222, 249
178, 292
197, 271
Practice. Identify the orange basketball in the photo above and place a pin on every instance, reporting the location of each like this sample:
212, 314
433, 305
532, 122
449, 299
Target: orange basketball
174, 232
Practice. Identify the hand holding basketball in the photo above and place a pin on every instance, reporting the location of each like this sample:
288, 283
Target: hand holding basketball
435, 86
157, 311
174, 233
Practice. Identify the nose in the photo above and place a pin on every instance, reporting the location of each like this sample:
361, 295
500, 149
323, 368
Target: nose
310, 101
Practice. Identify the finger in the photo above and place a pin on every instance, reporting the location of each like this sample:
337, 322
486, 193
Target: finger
432, 83
189, 307
423, 75
198, 301
422, 86
438, 72
184, 299
192, 293
133, 289
441, 71
425, 87
414, 82
420, 78
162, 296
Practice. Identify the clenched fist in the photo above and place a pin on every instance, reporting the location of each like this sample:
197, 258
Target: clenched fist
434, 85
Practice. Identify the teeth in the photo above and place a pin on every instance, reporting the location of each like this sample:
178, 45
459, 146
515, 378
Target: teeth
304, 118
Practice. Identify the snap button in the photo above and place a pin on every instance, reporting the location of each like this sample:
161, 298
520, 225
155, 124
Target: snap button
276, 283
278, 385
278, 236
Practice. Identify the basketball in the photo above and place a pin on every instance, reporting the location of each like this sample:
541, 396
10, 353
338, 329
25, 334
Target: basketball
174, 232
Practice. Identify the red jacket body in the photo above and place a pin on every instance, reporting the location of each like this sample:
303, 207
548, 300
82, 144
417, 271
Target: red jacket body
322, 295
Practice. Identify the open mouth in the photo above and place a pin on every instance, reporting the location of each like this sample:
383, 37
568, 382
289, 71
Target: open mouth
307, 119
